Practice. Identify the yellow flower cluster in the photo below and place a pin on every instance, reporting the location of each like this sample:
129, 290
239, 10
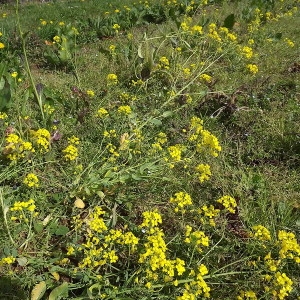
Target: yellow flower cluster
164, 63
247, 295
151, 219
31, 180
289, 247
261, 233
16, 148
196, 238
209, 212
204, 138
181, 200
73, 140
126, 97
27, 205
196, 29
96, 222
247, 52
203, 172
205, 78
197, 288
185, 25
213, 32
41, 138
3, 116
282, 286
271, 264
116, 27
90, 93
154, 254
71, 151
228, 202
160, 139
21, 206
112, 79
48, 109
124, 110
7, 260
210, 141
175, 152
101, 244
109, 134
116, 236
228, 35
102, 112
252, 68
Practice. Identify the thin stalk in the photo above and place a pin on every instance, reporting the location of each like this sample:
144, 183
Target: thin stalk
27, 67
4, 210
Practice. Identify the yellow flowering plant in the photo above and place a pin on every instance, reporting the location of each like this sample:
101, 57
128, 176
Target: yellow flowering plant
146, 178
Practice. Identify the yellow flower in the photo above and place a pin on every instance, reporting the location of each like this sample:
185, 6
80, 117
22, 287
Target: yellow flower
42, 139
197, 29
90, 93
164, 63
7, 260
228, 202
102, 112
175, 152
3, 116
203, 172
71, 152
2, 45
112, 48
261, 233
125, 110
31, 180
252, 68
48, 109
247, 52
73, 140
112, 79
205, 78
56, 39
289, 42
181, 199
116, 27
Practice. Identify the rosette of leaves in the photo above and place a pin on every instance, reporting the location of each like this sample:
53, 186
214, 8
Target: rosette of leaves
60, 53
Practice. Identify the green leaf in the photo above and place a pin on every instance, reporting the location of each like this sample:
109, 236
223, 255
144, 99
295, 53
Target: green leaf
5, 94
2, 69
140, 51
38, 291
2, 83
38, 226
156, 122
167, 113
136, 177
59, 292
229, 21
22, 261
62, 230
91, 291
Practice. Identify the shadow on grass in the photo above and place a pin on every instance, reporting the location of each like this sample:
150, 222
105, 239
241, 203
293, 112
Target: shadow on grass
10, 289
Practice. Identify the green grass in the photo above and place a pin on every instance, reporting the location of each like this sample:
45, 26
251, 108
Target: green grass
254, 117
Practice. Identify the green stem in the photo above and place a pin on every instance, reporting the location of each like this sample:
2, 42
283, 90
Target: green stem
4, 210
27, 67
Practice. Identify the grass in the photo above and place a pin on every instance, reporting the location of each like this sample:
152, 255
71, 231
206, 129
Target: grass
126, 194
